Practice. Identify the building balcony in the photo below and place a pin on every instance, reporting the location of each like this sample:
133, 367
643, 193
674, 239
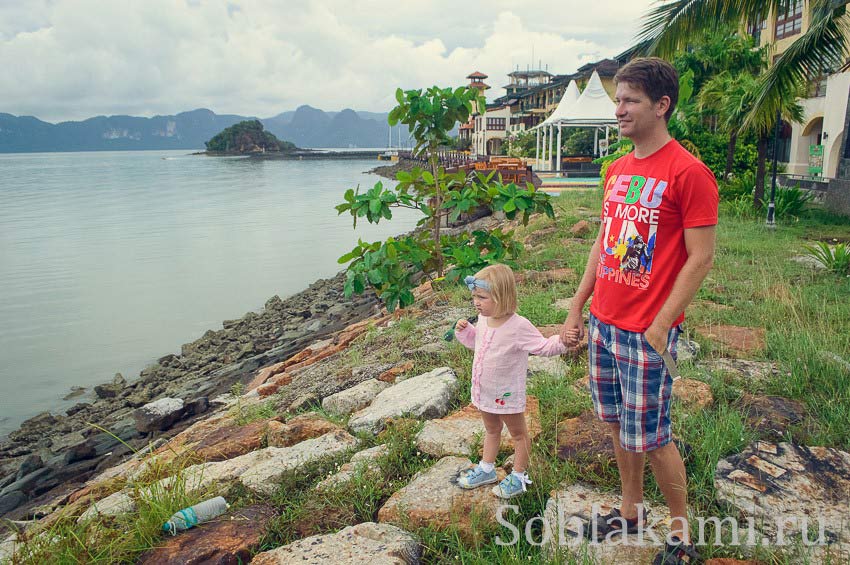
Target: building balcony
817, 89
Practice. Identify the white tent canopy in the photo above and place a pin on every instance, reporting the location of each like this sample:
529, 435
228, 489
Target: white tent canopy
593, 109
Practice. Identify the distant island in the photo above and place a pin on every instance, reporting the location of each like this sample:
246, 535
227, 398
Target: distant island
247, 137
305, 127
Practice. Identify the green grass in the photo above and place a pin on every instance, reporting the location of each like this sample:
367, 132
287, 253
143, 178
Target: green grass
119, 539
805, 314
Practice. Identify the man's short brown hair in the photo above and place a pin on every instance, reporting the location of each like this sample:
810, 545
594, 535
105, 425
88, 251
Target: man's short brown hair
656, 77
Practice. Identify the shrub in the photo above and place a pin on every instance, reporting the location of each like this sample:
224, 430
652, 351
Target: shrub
790, 202
737, 186
835, 259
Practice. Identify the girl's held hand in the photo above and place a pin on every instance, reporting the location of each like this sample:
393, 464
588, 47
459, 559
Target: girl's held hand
461, 324
570, 338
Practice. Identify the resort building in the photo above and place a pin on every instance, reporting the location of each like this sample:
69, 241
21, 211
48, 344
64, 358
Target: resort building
818, 147
530, 96
465, 131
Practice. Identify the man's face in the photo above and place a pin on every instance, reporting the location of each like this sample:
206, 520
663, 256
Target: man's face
636, 114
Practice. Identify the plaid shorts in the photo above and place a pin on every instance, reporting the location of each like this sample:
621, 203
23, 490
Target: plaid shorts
630, 384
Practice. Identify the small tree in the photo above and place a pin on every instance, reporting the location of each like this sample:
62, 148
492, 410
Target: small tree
393, 266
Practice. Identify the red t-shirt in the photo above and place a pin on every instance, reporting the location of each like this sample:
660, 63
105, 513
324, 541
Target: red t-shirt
648, 204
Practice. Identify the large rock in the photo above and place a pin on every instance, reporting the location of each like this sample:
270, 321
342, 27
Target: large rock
264, 476
586, 440
751, 371
364, 461
433, 499
11, 500
258, 470
113, 389
355, 398
568, 510
692, 393
770, 481
228, 539
552, 365
424, 396
28, 483
299, 428
581, 228
739, 340
80, 452
551, 276
158, 415
113, 505
456, 434
376, 544
539, 235
231, 441
392, 375
8, 547
28, 465
771, 416
35, 428
686, 350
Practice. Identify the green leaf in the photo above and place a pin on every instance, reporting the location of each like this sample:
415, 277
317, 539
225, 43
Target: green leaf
375, 276
348, 257
342, 208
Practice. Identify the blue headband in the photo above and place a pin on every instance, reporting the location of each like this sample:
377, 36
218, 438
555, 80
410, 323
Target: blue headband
472, 283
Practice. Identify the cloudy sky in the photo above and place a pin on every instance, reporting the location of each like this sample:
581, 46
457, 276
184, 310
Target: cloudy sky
73, 59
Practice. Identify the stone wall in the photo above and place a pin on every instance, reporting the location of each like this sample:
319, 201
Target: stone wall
838, 195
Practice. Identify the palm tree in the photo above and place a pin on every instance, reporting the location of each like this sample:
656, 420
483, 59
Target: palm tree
825, 45
732, 98
724, 95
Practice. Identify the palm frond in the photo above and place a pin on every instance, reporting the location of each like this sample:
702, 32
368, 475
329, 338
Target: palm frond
672, 25
822, 49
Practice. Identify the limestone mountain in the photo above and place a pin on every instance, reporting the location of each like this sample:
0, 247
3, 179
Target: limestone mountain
305, 127
310, 127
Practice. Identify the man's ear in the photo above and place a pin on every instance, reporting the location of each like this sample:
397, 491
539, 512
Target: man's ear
663, 106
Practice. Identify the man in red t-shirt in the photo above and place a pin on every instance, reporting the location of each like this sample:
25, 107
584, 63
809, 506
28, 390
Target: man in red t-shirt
655, 246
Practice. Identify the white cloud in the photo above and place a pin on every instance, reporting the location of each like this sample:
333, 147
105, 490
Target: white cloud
74, 59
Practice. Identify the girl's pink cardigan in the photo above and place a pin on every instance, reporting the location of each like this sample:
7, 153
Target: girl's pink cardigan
501, 361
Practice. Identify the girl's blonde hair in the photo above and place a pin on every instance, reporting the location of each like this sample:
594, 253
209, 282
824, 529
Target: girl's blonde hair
502, 288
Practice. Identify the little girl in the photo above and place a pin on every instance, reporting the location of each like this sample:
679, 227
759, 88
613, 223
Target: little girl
502, 341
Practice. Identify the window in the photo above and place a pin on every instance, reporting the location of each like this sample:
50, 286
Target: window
790, 19
784, 147
756, 29
496, 124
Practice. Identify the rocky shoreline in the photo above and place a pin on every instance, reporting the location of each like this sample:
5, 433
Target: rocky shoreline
51, 454
389, 171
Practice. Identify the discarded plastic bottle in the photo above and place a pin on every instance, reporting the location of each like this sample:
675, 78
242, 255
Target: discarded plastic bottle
194, 515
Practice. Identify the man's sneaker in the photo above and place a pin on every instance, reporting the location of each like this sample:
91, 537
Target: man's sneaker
476, 477
511, 486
